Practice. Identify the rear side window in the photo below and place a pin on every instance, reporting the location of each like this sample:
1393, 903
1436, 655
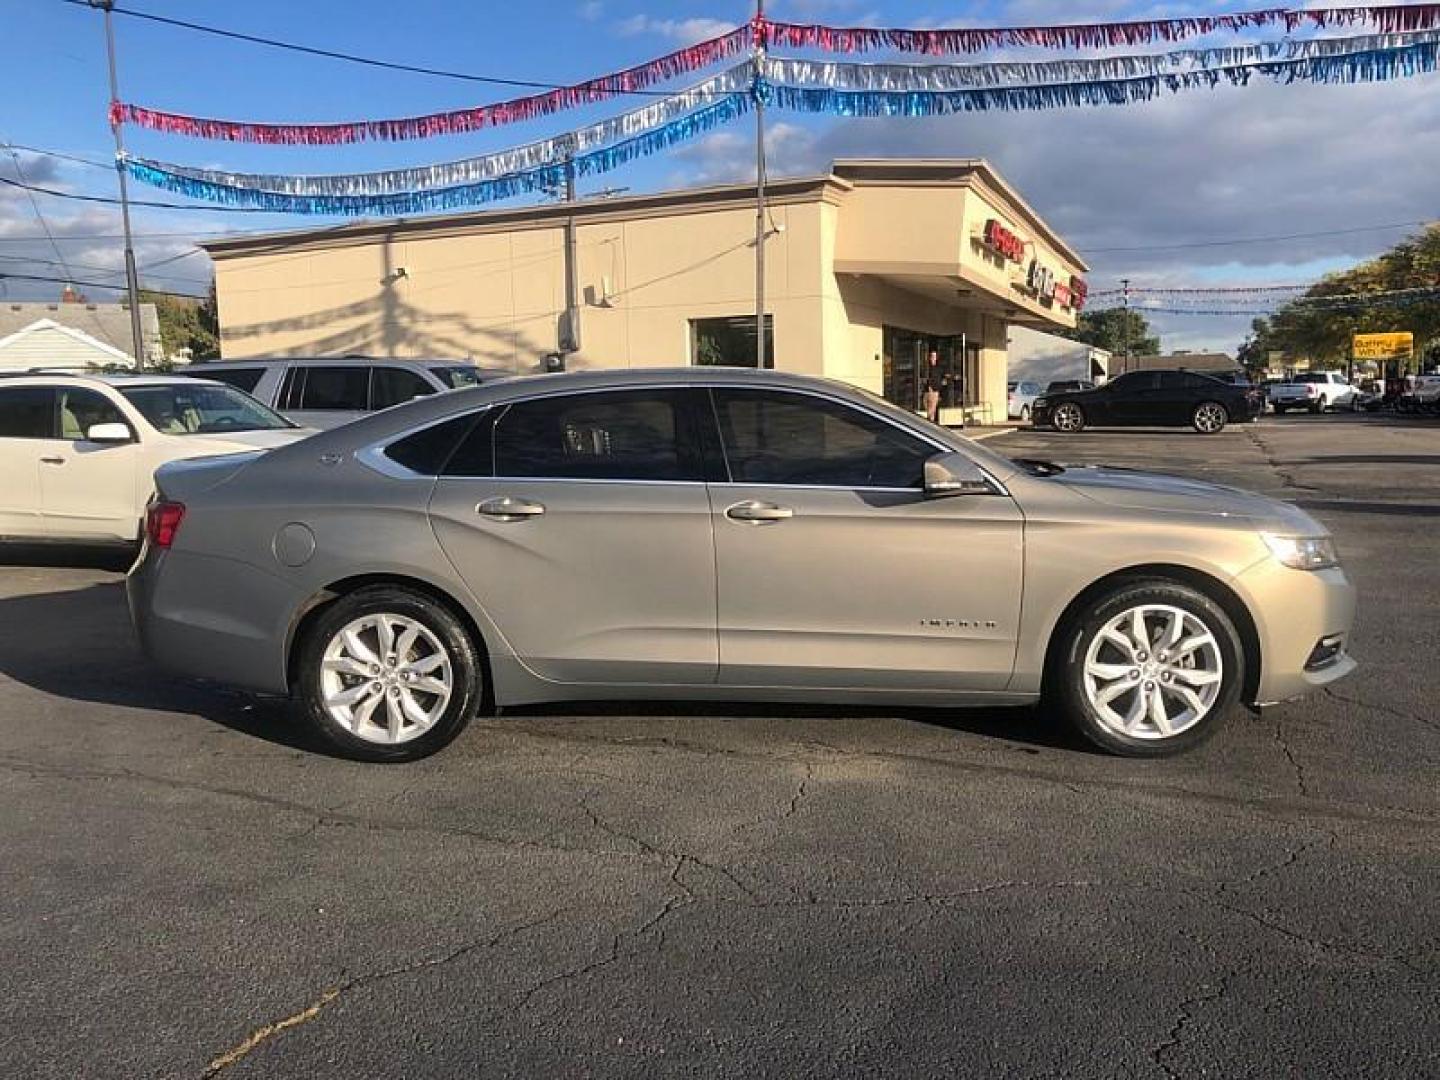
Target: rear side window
241, 378
627, 435
27, 412
345, 389
427, 451
395, 386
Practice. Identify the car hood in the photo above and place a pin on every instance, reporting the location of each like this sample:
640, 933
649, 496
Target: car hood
1135, 490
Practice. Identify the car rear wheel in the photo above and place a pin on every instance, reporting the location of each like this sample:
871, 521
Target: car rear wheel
1150, 669
1024, 414
1068, 417
387, 674
1209, 417
1318, 406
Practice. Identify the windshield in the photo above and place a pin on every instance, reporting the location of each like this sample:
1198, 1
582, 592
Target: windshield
458, 376
1310, 378
201, 409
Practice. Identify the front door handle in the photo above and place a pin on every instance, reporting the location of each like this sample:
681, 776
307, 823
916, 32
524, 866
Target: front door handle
758, 512
506, 508
53, 460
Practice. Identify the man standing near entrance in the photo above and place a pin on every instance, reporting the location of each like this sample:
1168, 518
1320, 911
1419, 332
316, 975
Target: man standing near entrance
932, 387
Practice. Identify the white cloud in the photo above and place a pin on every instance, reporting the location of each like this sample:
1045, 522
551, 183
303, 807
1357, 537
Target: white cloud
728, 157
591, 10
681, 31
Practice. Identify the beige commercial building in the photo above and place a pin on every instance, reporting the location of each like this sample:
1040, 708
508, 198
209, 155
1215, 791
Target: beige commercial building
902, 277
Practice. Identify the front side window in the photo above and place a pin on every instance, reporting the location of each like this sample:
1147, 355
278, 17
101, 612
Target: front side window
201, 409
628, 435
1133, 381
730, 342
457, 376
395, 386
27, 412
81, 409
772, 437
342, 389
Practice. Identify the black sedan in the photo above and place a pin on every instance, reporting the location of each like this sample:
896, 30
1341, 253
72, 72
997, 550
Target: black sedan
1150, 399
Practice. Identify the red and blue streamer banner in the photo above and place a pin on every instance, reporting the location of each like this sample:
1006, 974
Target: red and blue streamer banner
454, 122
953, 41
174, 178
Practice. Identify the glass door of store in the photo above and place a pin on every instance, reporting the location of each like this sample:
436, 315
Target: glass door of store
924, 372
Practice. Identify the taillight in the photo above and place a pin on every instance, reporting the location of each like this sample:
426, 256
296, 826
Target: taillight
162, 522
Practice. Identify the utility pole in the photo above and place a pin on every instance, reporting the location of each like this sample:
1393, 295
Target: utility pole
132, 278
1125, 319
758, 56
570, 339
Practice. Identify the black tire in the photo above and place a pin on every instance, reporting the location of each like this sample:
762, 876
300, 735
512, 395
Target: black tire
1203, 418
1318, 407
1067, 409
1066, 678
1024, 414
466, 667
1280, 410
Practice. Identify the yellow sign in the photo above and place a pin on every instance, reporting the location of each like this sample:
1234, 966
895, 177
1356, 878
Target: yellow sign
1399, 346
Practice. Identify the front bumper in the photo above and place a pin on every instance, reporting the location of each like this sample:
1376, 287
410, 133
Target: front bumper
1294, 612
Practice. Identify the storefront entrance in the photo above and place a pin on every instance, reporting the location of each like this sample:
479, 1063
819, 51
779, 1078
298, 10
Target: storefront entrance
916, 362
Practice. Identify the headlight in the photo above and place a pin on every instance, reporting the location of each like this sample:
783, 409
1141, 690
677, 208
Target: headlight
1303, 552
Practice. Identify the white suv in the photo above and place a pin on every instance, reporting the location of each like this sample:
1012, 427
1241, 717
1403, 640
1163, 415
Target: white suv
78, 453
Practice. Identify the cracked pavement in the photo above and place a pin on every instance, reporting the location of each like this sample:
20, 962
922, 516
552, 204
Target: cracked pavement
192, 889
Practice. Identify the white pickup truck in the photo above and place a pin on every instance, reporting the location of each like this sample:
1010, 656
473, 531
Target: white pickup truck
1315, 390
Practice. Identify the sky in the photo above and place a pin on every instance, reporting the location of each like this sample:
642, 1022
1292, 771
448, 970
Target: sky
1155, 192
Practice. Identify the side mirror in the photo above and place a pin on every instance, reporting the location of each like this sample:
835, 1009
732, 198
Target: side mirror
108, 433
955, 474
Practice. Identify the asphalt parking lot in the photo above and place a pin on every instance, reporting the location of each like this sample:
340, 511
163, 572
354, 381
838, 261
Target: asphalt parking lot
192, 889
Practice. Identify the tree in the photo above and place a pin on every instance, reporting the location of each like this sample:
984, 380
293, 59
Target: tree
1110, 328
1318, 326
187, 324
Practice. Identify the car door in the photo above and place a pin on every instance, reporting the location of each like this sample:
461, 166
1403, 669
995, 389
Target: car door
834, 569
1132, 398
581, 524
27, 418
88, 489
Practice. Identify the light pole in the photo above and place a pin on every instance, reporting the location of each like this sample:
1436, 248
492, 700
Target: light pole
758, 57
1125, 319
132, 279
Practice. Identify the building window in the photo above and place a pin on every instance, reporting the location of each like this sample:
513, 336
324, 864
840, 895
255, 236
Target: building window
729, 342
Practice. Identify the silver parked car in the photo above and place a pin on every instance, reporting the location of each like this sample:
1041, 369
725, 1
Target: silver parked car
722, 534
325, 392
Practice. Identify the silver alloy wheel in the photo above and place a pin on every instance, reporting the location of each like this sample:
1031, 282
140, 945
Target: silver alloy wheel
1209, 417
1153, 671
386, 678
1068, 417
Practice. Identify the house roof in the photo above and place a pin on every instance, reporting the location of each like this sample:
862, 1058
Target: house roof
105, 323
79, 337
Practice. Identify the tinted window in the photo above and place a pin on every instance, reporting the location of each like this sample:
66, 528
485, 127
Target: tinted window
1133, 380
27, 412
1174, 380
632, 435
241, 378
341, 388
426, 451
80, 410
779, 438
395, 386
457, 376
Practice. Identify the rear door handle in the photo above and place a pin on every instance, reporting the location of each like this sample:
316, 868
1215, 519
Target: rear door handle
506, 508
53, 460
758, 512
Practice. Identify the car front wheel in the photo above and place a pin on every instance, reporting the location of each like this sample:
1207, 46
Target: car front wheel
1150, 669
1209, 417
387, 674
1068, 418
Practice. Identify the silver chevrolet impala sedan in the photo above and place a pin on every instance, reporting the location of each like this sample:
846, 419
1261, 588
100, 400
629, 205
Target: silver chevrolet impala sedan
725, 535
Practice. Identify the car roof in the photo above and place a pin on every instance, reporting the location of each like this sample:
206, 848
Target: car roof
25, 378
427, 361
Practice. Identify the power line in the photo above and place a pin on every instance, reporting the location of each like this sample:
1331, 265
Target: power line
68, 267
120, 236
1255, 239
331, 54
133, 202
6, 276
108, 166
